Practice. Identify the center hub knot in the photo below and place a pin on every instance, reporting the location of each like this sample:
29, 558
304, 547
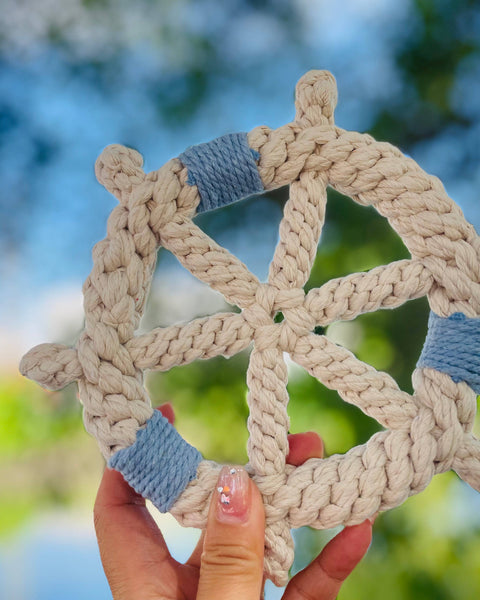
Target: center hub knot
298, 320
259, 316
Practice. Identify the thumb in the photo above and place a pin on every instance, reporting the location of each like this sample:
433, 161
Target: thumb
232, 559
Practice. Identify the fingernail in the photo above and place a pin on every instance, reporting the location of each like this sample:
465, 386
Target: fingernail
233, 495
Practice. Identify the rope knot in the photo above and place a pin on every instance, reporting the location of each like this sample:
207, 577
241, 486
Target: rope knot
289, 299
316, 98
439, 416
269, 485
266, 296
259, 316
118, 168
298, 320
53, 366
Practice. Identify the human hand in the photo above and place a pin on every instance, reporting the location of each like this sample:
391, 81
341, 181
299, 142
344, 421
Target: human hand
228, 559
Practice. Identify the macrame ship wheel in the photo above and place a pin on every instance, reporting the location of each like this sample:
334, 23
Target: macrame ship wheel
425, 433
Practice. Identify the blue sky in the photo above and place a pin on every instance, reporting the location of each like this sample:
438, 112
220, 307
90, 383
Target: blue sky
47, 248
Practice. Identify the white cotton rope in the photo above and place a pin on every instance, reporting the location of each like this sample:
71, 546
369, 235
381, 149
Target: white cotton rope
425, 433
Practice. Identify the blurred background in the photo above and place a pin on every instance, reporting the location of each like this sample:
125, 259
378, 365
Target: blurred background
76, 75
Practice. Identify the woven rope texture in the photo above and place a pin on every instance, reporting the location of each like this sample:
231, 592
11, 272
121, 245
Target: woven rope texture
425, 433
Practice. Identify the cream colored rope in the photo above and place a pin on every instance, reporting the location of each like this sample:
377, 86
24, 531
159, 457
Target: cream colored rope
427, 433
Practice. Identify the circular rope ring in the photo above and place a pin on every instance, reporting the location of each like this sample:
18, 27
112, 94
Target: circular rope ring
426, 433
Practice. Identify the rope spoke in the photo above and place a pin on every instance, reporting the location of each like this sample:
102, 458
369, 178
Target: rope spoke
387, 286
209, 262
300, 228
374, 392
162, 348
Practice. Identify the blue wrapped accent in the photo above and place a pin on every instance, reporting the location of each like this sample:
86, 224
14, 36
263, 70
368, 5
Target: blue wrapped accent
160, 464
224, 170
452, 346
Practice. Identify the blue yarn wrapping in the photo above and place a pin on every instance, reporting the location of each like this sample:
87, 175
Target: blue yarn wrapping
224, 170
452, 346
159, 464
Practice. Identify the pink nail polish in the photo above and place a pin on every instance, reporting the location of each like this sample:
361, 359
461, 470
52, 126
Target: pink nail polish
233, 495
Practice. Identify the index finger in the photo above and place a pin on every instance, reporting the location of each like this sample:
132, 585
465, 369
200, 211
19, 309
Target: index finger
324, 577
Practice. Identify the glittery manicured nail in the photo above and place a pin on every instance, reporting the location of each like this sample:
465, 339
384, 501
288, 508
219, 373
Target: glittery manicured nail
233, 495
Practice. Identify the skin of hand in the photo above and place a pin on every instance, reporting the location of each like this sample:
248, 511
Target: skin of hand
228, 559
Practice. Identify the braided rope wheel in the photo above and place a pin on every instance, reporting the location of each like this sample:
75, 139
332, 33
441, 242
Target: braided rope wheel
425, 433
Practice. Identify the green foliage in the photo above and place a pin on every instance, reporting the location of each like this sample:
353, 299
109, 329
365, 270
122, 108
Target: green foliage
209, 398
418, 551
354, 238
15, 510
443, 37
42, 450
32, 418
